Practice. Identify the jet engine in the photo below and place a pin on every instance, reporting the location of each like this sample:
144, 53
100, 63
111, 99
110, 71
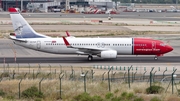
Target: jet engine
108, 54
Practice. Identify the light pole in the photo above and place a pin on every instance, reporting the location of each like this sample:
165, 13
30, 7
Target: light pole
21, 5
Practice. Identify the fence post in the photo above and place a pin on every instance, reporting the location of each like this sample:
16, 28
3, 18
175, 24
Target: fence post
60, 69
103, 76
109, 79
13, 73
135, 75
37, 75
18, 68
124, 76
1, 77
20, 89
129, 76
29, 68
154, 75
92, 74
164, 72
8, 67
4, 65
173, 80
111, 74
151, 77
60, 78
25, 75
113, 77
33, 74
39, 69
40, 85
144, 74
132, 77
55, 73
84, 75
72, 73
50, 67
48, 75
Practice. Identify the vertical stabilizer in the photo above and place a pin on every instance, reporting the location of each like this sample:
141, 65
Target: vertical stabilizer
21, 27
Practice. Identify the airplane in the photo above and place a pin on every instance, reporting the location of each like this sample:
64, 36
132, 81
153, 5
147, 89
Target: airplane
106, 48
173, 9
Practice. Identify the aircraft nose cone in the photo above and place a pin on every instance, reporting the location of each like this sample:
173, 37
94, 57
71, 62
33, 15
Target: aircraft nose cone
169, 48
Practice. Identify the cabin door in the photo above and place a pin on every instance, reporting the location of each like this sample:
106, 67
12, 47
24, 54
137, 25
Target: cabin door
153, 46
38, 45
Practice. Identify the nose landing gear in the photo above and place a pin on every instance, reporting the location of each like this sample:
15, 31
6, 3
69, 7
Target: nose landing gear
158, 55
155, 58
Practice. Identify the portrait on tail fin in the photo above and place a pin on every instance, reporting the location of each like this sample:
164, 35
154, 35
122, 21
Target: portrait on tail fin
19, 28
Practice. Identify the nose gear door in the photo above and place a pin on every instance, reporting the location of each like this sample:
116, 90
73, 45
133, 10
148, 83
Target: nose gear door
153, 46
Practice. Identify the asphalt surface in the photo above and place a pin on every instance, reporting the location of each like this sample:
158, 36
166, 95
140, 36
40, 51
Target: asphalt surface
164, 16
83, 59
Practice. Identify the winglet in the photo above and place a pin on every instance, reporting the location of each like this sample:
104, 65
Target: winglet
12, 10
66, 42
67, 33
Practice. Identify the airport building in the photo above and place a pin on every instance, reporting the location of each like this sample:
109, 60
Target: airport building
47, 5
5, 4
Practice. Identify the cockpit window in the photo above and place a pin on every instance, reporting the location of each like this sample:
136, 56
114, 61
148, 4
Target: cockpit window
162, 44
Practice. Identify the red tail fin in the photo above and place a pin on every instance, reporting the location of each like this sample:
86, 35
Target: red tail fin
67, 33
12, 10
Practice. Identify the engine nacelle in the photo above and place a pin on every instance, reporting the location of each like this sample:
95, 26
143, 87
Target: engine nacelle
108, 54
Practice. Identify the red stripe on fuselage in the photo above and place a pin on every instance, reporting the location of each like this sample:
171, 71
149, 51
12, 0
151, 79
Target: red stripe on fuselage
144, 46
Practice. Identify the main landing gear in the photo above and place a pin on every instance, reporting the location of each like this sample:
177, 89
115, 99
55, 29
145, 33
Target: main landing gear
90, 58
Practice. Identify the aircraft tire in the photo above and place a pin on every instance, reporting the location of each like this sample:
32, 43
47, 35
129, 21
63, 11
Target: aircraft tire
155, 58
90, 58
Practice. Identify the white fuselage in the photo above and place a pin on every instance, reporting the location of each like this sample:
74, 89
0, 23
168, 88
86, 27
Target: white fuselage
123, 46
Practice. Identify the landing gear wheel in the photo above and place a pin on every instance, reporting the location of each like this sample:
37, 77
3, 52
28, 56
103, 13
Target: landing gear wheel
90, 58
155, 58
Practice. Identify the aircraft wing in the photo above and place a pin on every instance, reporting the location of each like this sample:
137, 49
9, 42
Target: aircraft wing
85, 50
